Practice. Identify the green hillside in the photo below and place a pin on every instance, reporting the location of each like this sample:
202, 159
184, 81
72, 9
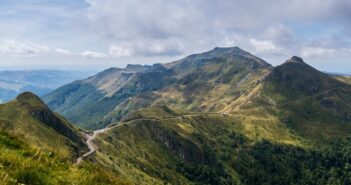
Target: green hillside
291, 127
313, 103
86, 102
204, 148
39, 147
28, 118
22, 164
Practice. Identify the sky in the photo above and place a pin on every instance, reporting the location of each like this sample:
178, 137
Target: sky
97, 34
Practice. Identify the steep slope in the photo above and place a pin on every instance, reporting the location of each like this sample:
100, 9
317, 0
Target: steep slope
313, 103
85, 102
29, 118
40, 147
293, 127
214, 81
160, 146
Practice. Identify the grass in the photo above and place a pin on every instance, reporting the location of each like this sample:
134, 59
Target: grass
158, 150
251, 146
22, 164
16, 118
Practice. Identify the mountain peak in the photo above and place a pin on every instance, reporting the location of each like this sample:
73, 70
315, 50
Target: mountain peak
30, 99
136, 67
228, 48
221, 52
295, 59
25, 96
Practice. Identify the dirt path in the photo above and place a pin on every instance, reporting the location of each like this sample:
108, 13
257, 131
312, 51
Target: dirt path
90, 144
90, 137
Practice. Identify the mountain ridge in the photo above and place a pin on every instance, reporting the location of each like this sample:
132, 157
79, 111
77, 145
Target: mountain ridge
217, 66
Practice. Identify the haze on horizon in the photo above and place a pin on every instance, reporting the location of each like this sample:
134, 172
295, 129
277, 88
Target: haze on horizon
96, 34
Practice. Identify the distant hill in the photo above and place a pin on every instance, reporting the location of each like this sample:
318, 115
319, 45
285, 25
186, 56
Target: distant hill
40, 82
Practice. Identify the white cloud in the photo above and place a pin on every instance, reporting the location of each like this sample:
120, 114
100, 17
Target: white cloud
144, 28
10, 47
92, 54
15, 48
169, 47
323, 52
120, 51
264, 45
63, 51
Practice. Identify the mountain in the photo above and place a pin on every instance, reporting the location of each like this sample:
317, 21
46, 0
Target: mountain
308, 100
41, 82
38, 146
291, 127
86, 102
219, 117
106, 97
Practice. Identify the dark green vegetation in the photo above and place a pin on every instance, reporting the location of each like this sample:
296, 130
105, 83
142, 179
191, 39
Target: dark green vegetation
214, 149
220, 117
38, 147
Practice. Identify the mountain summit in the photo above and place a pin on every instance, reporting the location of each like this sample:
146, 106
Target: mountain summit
296, 59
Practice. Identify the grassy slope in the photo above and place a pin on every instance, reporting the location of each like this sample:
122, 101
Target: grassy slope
23, 164
345, 79
157, 138
86, 102
292, 128
215, 81
39, 147
313, 103
216, 149
17, 118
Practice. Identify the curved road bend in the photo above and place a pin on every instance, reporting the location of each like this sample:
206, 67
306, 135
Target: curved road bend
90, 138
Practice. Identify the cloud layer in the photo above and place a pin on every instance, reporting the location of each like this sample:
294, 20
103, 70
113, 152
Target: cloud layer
14, 48
160, 27
96, 31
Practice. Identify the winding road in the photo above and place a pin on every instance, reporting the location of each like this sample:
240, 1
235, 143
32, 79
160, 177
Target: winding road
90, 144
90, 137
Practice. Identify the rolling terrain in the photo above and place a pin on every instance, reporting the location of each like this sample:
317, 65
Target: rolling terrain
219, 117
40, 82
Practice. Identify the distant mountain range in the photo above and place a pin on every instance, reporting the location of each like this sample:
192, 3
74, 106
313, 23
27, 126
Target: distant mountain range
220, 117
40, 82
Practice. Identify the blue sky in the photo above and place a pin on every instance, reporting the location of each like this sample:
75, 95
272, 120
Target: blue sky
96, 34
